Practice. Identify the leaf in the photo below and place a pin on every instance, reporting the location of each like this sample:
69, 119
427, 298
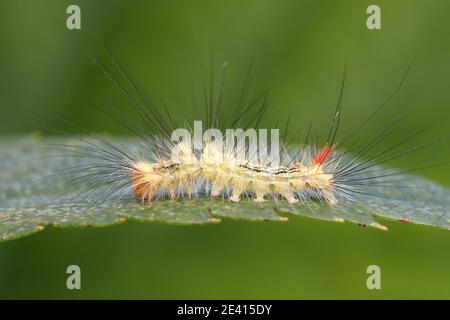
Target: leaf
29, 203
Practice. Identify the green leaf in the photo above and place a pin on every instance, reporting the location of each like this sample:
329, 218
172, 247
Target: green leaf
29, 203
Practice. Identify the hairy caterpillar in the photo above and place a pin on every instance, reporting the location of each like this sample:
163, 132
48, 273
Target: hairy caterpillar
223, 171
160, 166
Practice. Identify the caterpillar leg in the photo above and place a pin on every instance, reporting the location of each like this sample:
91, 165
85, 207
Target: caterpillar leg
289, 196
172, 193
189, 192
236, 195
216, 190
259, 197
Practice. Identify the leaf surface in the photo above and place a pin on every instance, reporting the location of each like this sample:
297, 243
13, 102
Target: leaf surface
29, 202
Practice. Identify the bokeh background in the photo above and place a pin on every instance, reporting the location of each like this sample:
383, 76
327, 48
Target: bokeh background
300, 49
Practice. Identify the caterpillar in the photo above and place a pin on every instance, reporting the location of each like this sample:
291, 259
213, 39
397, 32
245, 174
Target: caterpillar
222, 171
168, 163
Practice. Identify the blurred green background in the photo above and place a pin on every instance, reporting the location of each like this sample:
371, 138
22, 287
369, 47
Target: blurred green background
300, 49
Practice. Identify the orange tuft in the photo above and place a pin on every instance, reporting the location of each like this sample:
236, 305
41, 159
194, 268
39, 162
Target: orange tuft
323, 155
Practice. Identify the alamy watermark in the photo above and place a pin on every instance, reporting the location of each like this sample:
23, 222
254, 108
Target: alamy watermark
74, 279
73, 21
250, 145
373, 21
374, 280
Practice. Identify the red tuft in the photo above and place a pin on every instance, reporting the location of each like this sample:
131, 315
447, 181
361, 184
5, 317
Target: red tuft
323, 155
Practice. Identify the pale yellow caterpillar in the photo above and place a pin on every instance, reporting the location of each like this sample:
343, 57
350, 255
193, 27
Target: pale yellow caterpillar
226, 171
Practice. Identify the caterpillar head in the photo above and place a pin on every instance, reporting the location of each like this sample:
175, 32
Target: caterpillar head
145, 181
